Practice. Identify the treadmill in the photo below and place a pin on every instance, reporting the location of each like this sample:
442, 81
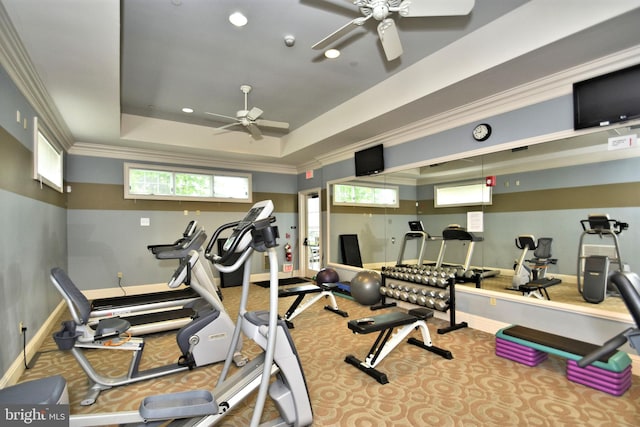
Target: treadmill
157, 311
465, 273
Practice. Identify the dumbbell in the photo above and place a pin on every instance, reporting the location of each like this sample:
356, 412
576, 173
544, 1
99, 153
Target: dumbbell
441, 305
442, 294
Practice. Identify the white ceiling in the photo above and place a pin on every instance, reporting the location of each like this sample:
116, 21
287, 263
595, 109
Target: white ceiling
120, 72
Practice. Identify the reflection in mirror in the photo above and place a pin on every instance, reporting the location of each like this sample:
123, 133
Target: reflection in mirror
542, 190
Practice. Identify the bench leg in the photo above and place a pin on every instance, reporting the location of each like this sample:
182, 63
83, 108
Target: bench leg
296, 308
538, 293
333, 306
381, 377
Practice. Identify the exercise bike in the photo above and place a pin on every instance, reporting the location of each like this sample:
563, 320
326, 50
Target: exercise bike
529, 274
206, 339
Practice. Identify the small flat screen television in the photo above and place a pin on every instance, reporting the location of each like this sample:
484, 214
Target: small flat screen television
369, 161
607, 99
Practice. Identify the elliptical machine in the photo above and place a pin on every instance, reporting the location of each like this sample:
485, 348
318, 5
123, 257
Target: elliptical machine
628, 285
594, 272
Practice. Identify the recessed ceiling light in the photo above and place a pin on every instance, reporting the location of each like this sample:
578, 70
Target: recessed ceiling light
187, 110
238, 19
332, 53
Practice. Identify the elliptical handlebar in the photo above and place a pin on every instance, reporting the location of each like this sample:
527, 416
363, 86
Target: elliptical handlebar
602, 224
628, 285
608, 347
257, 222
208, 251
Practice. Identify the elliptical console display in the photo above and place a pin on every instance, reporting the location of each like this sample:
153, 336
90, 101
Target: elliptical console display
260, 210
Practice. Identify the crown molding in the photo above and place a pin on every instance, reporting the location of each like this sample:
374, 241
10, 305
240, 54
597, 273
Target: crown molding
537, 91
15, 60
156, 156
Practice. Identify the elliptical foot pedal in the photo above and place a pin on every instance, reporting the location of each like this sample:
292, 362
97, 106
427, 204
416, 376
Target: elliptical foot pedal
186, 404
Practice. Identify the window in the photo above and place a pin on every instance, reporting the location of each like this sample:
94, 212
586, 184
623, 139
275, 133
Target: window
164, 183
462, 194
47, 159
365, 195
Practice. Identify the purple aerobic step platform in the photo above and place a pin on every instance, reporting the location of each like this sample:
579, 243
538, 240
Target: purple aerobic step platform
615, 383
519, 353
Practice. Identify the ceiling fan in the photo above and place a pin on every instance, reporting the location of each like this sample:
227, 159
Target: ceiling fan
387, 30
250, 118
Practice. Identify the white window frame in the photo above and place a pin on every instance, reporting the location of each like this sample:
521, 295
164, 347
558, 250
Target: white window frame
48, 159
159, 168
467, 193
367, 204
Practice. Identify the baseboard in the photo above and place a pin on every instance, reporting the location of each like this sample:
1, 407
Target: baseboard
92, 294
17, 368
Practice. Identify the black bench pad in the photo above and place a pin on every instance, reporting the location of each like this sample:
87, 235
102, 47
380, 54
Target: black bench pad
386, 321
539, 284
299, 290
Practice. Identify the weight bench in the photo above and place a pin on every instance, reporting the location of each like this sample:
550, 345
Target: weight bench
538, 287
611, 373
322, 290
385, 343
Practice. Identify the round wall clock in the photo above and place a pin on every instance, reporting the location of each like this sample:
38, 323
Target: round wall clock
482, 132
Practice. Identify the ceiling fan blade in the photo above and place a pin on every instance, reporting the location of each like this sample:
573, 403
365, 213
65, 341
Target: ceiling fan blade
224, 128
272, 124
228, 126
345, 29
221, 115
255, 132
388, 33
254, 113
416, 8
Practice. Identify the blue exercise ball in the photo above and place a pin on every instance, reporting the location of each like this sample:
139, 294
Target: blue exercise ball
365, 287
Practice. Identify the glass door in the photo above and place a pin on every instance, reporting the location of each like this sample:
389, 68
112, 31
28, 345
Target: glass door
310, 232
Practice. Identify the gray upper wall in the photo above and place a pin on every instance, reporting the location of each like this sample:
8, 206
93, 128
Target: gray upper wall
544, 118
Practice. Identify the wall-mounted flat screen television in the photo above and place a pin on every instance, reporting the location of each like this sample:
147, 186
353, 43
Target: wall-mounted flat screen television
607, 99
369, 161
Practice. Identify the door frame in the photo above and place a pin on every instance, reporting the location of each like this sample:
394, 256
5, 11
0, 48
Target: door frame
303, 253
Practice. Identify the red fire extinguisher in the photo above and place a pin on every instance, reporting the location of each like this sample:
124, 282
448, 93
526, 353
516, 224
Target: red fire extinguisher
288, 256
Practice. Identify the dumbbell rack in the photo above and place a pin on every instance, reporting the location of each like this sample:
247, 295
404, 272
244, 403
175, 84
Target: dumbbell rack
411, 284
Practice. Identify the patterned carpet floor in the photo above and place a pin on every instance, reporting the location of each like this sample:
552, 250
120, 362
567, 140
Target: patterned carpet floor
475, 388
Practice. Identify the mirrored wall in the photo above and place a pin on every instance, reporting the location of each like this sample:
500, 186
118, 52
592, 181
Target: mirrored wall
544, 190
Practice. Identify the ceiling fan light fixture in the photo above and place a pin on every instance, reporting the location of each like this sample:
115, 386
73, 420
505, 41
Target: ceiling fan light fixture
332, 53
238, 19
